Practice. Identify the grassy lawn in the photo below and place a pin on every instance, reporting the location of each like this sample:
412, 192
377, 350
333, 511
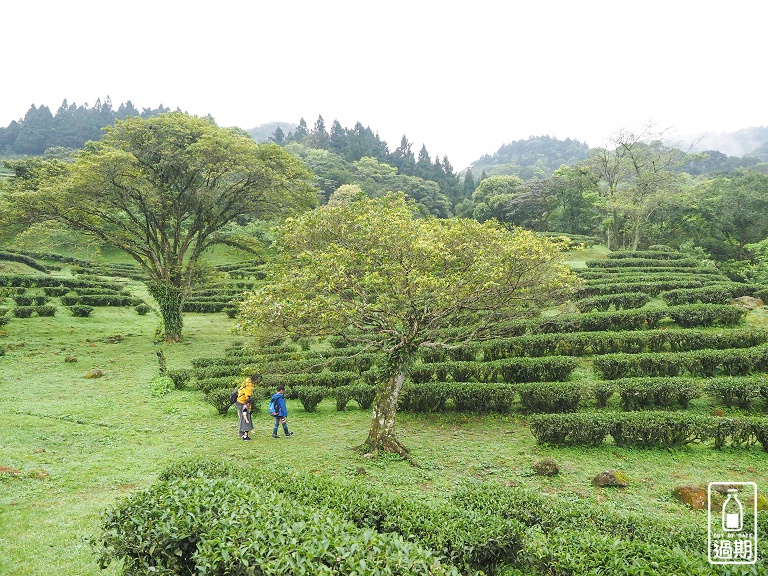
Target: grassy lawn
81, 444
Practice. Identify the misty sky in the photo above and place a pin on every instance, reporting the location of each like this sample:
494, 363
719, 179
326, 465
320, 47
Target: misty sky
462, 78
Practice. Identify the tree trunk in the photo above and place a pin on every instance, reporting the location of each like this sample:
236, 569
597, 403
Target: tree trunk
170, 299
381, 436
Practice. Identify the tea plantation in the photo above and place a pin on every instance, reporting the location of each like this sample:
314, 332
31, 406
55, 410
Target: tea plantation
656, 369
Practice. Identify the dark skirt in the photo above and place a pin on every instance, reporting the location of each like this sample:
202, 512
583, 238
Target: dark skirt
243, 424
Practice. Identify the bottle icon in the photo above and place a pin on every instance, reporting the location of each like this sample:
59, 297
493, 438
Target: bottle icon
733, 512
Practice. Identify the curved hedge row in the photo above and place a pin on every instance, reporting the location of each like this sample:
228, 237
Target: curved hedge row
201, 526
621, 301
647, 429
547, 368
730, 362
445, 532
39, 281
22, 259
714, 294
595, 343
648, 286
630, 262
646, 254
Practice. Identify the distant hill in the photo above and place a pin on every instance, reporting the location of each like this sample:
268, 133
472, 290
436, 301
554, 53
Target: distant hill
262, 132
744, 142
536, 157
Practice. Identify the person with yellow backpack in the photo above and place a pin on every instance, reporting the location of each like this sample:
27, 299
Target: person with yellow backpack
244, 405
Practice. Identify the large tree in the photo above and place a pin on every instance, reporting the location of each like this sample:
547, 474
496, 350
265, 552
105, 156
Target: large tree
374, 272
637, 175
162, 189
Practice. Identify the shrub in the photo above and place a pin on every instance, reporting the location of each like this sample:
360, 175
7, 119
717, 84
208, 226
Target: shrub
179, 377
711, 294
41, 300
576, 429
342, 395
81, 310
644, 393
364, 395
219, 399
659, 429
198, 526
735, 390
45, 310
551, 396
603, 392
706, 315
23, 311
70, 299
4, 320
310, 396
423, 397
143, 308
56, 291
24, 299
205, 385
618, 301
482, 397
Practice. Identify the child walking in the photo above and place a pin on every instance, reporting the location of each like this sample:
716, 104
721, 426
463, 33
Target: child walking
280, 411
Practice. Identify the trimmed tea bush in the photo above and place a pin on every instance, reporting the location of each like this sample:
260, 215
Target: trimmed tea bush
551, 396
576, 429
81, 310
199, 526
45, 310
23, 311
482, 397
310, 396
142, 309
739, 391
646, 393
179, 377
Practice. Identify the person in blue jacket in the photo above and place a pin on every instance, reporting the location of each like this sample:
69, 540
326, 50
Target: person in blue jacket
281, 411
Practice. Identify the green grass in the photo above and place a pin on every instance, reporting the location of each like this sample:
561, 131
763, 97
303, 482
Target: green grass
80, 445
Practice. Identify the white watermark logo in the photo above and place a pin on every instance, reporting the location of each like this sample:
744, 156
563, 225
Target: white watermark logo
732, 522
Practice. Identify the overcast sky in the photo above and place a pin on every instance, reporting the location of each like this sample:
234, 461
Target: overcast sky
462, 78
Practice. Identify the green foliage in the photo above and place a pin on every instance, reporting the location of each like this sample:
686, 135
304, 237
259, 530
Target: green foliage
16, 257
183, 177
179, 378
551, 396
647, 429
739, 361
739, 391
664, 429
548, 368
81, 310
23, 311
310, 396
143, 308
714, 294
430, 397
219, 399
45, 310
576, 429
482, 398
199, 525
644, 393
621, 301
364, 395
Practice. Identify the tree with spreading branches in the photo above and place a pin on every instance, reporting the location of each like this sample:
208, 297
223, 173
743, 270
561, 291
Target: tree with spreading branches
162, 189
376, 273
